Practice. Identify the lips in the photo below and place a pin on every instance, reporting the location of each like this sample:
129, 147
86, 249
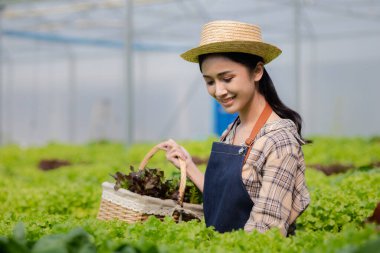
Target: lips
227, 101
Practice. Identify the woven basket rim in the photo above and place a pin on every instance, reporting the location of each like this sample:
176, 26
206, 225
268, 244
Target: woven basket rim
167, 202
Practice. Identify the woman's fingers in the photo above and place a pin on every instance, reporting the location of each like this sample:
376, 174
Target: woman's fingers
176, 153
173, 150
168, 145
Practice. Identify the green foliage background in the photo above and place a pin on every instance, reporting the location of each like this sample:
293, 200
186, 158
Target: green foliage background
59, 201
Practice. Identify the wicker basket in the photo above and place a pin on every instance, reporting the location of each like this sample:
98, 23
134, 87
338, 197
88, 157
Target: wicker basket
132, 207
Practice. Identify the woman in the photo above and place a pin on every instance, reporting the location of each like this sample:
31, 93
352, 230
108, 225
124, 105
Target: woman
255, 175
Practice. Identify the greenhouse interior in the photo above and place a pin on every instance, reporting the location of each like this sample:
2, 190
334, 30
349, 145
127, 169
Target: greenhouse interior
88, 87
74, 71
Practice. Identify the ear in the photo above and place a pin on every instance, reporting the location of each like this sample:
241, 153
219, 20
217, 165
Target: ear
258, 72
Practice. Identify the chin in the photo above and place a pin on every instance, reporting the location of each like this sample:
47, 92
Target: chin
230, 110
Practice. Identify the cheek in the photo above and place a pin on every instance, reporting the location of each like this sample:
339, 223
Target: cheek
211, 90
248, 86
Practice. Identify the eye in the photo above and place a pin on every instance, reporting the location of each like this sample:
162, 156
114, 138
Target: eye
210, 82
227, 79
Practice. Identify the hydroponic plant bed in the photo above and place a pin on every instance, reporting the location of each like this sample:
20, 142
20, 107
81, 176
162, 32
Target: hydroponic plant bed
57, 207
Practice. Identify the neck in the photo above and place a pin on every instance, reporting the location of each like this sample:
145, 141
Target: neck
250, 115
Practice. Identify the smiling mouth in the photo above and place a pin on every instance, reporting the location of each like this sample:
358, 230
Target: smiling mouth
226, 101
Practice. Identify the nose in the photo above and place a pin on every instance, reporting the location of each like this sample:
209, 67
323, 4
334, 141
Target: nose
220, 90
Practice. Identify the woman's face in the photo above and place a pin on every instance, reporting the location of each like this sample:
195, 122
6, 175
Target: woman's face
229, 83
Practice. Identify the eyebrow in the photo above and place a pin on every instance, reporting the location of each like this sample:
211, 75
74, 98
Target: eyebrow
220, 74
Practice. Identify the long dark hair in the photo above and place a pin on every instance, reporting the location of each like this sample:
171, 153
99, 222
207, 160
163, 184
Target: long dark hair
266, 87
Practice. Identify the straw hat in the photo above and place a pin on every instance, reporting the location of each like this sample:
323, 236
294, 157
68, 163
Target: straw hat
232, 36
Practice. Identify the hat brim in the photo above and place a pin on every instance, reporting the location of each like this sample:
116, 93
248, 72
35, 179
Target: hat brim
267, 51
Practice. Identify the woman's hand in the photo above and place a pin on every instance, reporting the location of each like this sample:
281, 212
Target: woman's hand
174, 152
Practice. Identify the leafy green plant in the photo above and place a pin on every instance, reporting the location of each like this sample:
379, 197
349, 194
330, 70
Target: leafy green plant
54, 203
76, 240
151, 182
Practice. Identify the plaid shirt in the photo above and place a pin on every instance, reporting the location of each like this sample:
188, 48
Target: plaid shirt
274, 176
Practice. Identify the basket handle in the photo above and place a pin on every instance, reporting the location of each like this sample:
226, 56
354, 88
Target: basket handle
182, 165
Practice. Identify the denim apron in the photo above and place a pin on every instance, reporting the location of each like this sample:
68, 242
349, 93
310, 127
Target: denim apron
226, 202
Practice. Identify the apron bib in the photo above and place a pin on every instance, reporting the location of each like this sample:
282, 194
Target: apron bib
226, 202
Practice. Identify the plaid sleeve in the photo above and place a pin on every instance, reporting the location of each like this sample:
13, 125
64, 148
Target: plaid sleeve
273, 205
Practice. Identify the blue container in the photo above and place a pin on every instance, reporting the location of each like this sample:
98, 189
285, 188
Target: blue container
221, 118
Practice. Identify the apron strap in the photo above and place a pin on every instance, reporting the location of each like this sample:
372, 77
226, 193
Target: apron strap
264, 116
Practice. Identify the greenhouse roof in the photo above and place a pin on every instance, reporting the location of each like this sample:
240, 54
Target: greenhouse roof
173, 24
